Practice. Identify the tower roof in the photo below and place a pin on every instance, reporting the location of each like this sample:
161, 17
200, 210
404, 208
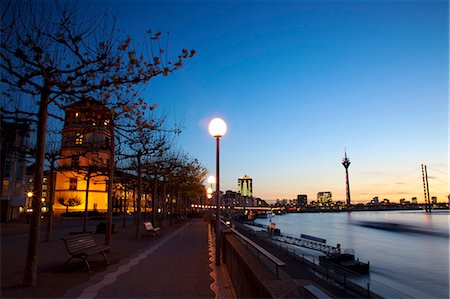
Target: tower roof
85, 102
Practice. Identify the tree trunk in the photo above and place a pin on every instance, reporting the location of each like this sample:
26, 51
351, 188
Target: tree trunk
30, 272
138, 204
110, 187
51, 199
85, 219
154, 201
164, 203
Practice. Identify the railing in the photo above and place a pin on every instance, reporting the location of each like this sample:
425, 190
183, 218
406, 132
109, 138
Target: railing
371, 289
327, 249
259, 250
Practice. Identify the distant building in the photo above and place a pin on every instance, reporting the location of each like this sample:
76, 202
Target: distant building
13, 151
260, 202
231, 198
245, 186
434, 200
414, 200
302, 200
324, 198
402, 201
376, 200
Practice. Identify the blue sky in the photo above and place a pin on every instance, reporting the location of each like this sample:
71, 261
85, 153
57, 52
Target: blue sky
297, 82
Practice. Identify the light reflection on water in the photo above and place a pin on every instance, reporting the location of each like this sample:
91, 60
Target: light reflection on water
415, 263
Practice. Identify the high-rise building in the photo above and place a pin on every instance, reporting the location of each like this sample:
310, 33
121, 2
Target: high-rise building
85, 156
324, 198
302, 200
245, 186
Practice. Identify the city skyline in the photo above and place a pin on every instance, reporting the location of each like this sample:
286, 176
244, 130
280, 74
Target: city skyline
297, 82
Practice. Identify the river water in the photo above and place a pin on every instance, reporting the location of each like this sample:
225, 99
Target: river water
413, 262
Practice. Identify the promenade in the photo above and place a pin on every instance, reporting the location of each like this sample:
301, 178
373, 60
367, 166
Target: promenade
178, 264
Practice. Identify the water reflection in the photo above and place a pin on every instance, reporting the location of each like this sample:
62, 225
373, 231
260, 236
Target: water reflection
413, 258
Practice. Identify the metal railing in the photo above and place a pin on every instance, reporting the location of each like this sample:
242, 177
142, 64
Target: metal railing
258, 249
327, 249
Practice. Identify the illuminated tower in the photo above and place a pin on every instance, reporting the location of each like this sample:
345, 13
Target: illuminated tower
346, 163
85, 153
245, 186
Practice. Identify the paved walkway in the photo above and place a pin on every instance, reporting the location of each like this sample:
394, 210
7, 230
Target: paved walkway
176, 266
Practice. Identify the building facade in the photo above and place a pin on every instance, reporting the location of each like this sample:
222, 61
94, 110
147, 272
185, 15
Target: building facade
85, 156
302, 200
15, 137
245, 186
324, 198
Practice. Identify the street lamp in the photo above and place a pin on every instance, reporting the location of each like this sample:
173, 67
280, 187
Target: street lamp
217, 128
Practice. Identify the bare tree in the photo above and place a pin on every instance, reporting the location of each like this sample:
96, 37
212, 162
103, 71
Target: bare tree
145, 137
56, 54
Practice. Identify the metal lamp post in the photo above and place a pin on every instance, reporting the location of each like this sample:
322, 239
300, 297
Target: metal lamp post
217, 128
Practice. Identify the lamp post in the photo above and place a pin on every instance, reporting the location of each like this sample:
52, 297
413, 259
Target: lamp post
217, 128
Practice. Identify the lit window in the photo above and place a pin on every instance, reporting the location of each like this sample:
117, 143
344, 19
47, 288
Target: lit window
77, 114
79, 138
73, 184
106, 122
93, 123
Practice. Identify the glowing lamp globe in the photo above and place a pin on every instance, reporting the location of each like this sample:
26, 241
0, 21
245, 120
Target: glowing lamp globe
211, 179
209, 190
217, 127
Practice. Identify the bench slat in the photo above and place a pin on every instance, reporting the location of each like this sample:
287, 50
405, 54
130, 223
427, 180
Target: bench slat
83, 245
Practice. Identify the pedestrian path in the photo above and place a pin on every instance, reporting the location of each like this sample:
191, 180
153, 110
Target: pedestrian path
177, 266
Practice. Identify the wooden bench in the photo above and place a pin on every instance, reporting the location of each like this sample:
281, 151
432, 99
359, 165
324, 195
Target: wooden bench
148, 226
82, 246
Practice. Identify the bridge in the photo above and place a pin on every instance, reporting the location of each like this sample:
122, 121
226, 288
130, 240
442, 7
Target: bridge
252, 208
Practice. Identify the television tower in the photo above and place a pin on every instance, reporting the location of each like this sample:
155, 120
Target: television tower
346, 163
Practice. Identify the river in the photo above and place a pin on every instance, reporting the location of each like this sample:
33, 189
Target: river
414, 262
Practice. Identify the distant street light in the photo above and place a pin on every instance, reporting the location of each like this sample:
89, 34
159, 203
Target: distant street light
211, 180
209, 191
217, 128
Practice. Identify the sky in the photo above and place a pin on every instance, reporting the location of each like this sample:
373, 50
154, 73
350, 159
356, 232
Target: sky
298, 82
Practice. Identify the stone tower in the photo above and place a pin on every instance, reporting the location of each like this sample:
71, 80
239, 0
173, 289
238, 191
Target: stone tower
85, 156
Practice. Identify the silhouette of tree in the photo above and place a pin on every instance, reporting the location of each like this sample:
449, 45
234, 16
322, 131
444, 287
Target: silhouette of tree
56, 54
72, 201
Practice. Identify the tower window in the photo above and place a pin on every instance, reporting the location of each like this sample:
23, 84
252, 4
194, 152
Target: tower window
73, 184
79, 138
75, 161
